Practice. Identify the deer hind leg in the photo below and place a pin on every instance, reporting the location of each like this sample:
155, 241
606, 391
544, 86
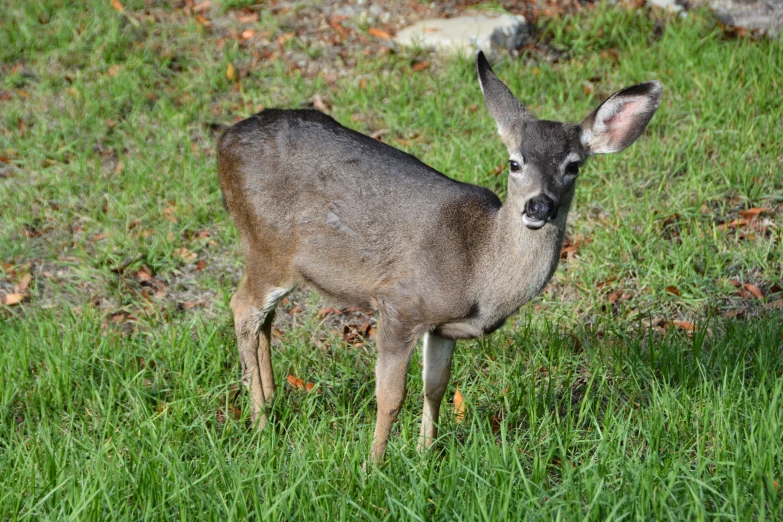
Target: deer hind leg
253, 315
437, 370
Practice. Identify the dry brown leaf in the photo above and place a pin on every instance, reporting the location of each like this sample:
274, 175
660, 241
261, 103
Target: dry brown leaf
321, 104
684, 325
23, 284
192, 304
113, 70
202, 20
776, 304
379, 33
117, 6
459, 407
362, 85
5, 160
203, 6
185, 254
247, 34
295, 310
323, 312
751, 213
420, 66
144, 274
298, 384
673, 290
168, 213
737, 223
12, 299
735, 313
201, 265
755, 290
231, 72
248, 18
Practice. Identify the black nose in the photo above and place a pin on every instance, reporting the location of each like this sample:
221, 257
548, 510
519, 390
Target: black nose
541, 207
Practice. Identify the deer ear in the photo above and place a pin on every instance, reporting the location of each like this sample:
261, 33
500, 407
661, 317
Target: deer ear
618, 121
504, 108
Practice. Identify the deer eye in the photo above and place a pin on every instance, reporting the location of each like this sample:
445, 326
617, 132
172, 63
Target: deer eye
572, 169
514, 166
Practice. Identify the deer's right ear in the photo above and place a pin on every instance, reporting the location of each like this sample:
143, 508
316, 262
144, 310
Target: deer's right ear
504, 108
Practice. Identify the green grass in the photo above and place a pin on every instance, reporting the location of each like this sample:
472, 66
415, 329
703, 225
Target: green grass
119, 404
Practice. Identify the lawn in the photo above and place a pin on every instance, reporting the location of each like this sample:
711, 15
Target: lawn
645, 383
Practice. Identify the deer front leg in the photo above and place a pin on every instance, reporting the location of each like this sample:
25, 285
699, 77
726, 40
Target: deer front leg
390, 372
437, 353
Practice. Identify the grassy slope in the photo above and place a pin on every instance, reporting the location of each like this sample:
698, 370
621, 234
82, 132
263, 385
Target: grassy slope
573, 410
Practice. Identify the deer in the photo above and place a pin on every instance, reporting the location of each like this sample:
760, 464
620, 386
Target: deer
367, 225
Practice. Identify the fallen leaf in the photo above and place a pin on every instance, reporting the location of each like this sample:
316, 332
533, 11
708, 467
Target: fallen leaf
737, 223
420, 66
673, 290
379, 33
12, 299
201, 19
203, 6
113, 70
23, 284
117, 6
5, 160
295, 310
185, 254
323, 312
755, 290
201, 265
248, 18
144, 274
192, 304
378, 135
298, 384
362, 85
168, 213
776, 304
247, 34
735, 313
231, 73
459, 407
684, 325
321, 104
752, 213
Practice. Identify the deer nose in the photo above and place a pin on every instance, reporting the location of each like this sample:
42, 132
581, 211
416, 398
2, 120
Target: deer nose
541, 207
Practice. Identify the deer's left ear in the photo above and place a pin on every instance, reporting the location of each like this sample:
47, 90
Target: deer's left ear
618, 121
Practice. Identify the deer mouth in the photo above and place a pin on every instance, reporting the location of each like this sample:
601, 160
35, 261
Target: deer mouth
532, 224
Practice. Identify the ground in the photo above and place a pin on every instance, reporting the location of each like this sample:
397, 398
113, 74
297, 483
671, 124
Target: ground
645, 382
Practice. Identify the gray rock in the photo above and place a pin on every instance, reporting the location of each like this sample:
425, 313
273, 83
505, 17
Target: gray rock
466, 33
764, 16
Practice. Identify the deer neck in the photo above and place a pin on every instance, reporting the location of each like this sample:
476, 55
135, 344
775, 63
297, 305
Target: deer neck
519, 262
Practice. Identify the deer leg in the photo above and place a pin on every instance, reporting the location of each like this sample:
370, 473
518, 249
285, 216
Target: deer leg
437, 370
265, 357
253, 326
390, 372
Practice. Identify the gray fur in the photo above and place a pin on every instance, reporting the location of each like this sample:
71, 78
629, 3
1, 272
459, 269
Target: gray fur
366, 224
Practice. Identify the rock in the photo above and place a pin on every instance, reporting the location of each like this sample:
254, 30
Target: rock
764, 16
669, 5
467, 33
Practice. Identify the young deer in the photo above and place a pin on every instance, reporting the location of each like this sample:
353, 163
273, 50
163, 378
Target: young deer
368, 225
